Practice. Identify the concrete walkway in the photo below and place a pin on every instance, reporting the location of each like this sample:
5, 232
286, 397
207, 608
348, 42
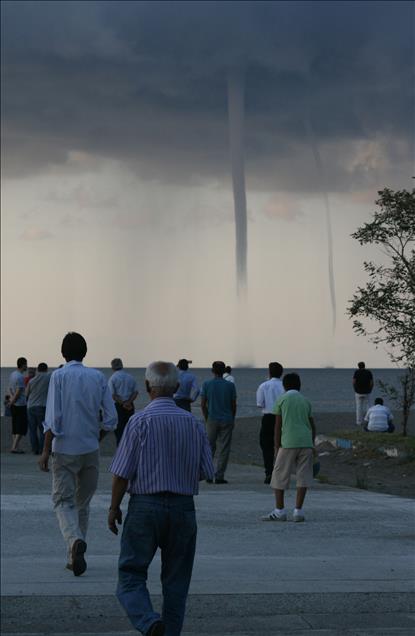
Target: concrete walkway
350, 569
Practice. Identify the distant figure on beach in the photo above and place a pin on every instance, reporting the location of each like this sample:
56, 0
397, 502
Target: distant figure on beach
163, 455
379, 419
363, 385
294, 443
219, 409
18, 405
266, 397
36, 394
228, 375
124, 391
72, 428
188, 390
31, 372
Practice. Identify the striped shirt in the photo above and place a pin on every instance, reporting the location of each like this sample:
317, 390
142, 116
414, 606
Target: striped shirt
163, 448
378, 418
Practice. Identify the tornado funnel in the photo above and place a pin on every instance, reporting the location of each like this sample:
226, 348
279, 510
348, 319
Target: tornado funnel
236, 111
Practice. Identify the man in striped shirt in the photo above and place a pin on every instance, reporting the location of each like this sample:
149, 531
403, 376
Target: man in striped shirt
162, 456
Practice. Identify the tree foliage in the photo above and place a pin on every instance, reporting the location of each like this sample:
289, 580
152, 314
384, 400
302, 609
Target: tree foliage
384, 308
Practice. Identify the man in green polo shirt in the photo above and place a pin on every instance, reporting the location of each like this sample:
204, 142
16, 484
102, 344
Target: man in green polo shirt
294, 442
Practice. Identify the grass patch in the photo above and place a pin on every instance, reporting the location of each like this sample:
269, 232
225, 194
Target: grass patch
323, 479
379, 439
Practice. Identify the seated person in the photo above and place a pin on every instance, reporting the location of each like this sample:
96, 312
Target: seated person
379, 418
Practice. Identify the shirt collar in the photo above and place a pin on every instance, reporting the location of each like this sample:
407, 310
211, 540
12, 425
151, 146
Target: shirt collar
159, 401
292, 391
72, 362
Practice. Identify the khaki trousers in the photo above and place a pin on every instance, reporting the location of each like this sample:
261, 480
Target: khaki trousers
74, 482
220, 438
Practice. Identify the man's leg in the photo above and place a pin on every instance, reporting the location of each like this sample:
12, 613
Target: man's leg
299, 500
266, 440
304, 476
123, 417
360, 408
32, 422
19, 426
212, 433
86, 485
64, 472
224, 438
177, 556
279, 499
139, 543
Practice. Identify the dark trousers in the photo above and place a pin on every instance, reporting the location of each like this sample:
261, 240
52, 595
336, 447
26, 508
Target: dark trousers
166, 521
183, 403
123, 417
36, 417
19, 419
266, 441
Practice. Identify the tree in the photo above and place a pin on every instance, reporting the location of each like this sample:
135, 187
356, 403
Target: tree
384, 309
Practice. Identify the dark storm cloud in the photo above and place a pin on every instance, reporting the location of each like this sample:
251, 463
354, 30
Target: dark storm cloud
146, 83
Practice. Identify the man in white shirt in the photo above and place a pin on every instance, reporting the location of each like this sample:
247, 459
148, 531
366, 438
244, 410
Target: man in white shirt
266, 396
379, 418
79, 405
228, 375
124, 391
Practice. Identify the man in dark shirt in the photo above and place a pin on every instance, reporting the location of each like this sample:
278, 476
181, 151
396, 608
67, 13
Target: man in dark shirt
363, 385
219, 409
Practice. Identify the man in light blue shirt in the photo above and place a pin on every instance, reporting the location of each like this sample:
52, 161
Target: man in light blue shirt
79, 405
188, 390
124, 391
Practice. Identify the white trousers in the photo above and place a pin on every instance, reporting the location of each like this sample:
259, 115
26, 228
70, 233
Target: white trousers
74, 482
362, 405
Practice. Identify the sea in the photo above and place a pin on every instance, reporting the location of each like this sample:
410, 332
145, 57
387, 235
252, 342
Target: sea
328, 389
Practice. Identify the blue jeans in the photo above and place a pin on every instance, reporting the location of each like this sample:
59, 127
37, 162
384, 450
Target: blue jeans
36, 417
166, 521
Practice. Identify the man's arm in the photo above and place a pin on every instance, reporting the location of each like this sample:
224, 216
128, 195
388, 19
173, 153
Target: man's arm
109, 414
204, 407
119, 487
277, 433
260, 401
128, 404
234, 408
15, 396
194, 391
47, 448
313, 428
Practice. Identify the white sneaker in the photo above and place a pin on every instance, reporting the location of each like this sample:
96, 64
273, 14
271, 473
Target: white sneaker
274, 516
298, 516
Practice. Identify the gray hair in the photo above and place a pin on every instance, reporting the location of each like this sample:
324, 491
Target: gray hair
162, 375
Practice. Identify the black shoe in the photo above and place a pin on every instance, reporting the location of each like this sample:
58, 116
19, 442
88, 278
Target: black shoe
78, 560
157, 629
267, 479
209, 481
220, 481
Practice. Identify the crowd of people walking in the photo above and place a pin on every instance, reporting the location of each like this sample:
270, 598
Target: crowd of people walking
163, 452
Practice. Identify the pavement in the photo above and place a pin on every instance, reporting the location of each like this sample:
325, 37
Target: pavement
349, 569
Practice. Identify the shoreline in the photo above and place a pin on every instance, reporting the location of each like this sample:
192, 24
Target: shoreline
245, 441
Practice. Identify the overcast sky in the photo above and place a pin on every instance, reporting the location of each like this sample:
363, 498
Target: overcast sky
117, 206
